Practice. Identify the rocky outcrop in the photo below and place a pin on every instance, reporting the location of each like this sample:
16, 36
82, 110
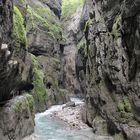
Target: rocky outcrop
55, 6
17, 118
111, 57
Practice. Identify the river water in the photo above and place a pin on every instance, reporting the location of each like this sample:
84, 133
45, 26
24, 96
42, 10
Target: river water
48, 128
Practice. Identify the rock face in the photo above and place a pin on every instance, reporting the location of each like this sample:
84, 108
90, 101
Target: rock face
30, 37
71, 33
109, 61
34, 56
17, 118
43, 31
16, 115
55, 6
12, 53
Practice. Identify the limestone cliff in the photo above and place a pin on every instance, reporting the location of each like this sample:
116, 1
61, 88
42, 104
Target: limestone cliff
12, 51
108, 60
91, 49
72, 13
44, 35
19, 112
30, 65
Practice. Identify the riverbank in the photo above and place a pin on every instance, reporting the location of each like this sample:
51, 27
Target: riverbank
32, 137
62, 122
72, 116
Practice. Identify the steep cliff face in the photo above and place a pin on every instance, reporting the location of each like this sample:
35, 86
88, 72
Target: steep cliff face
12, 53
71, 16
30, 54
17, 114
43, 30
111, 56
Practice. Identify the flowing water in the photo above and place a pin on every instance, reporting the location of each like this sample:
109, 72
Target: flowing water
48, 128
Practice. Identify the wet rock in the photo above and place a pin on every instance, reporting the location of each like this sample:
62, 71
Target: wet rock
70, 104
32, 137
72, 116
17, 118
108, 60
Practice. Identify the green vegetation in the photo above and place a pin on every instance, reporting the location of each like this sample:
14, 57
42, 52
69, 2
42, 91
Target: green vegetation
19, 29
31, 104
26, 102
69, 7
116, 27
62, 93
39, 91
17, 106
127, 104
87, 24
118, 136
42, 18
82, 44
22, 1
124, 105
121, 106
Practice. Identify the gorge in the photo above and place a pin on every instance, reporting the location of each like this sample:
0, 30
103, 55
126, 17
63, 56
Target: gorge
52, 50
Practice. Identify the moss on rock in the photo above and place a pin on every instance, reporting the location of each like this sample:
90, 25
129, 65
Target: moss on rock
22, 1
117, 26
69, 7
127, 104
42, 17
26, 102
31, 104
124, 105
19, 29
120, 106
39, 91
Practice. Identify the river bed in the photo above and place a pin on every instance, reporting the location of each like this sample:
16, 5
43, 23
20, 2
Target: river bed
49, 127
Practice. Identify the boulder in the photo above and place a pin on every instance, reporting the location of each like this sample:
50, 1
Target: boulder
17, 118
70, 104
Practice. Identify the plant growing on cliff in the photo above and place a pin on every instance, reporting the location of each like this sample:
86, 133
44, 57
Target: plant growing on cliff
22, 1
26, 102
69, 7
39, 91
19, 29
124, 105
43, 18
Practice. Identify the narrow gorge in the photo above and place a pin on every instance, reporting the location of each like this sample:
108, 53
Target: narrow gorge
69, 69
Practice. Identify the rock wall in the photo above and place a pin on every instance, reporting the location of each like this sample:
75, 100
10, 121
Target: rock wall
71, 20
109, 56
17, 118
39, 58
12, 52
17, 114
44, 35
30, 36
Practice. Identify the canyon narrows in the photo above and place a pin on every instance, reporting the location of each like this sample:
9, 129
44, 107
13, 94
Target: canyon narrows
53, 50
